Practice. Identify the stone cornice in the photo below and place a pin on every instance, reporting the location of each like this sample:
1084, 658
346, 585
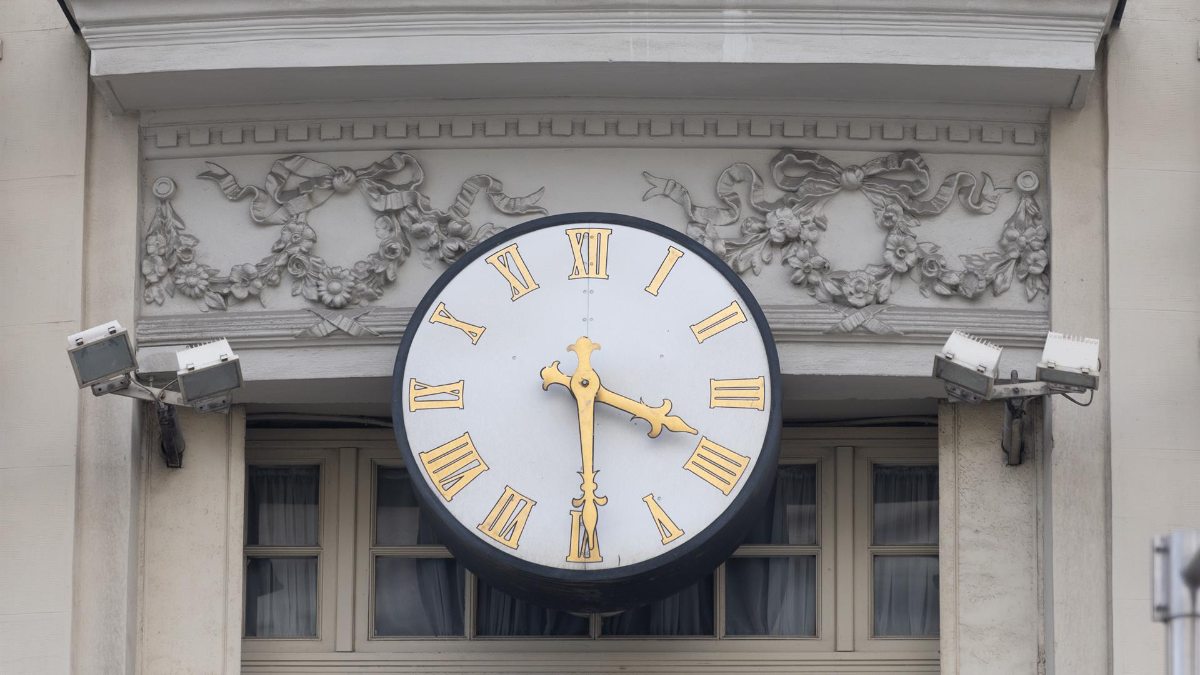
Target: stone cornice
158, 54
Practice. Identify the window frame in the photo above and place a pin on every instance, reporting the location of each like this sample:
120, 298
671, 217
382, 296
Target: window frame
842, 621
325, 550
865, 459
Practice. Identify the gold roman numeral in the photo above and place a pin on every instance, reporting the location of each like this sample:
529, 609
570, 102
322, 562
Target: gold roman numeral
507, 519
673, 256
720, 467
743, 393
443, 316
453, 465
508, 259
590, 247
423, 396
668, 531
584, 548
724, 319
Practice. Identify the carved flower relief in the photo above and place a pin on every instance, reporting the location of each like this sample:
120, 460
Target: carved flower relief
335, 288
295, 237
900, 251
890, 214
192, 279
858, 288
244, 281
809, 267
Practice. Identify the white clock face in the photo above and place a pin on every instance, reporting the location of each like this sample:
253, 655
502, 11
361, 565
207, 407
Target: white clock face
556, 467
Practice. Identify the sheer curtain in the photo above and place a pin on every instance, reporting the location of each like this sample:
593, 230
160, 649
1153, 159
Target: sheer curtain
282, 511
413, 595
777, 595
688, 612
499, 613
905, 586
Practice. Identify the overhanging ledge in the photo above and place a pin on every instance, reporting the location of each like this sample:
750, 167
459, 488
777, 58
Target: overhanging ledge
162, 54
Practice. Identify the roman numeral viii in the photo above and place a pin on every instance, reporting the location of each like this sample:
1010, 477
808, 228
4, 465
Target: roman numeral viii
590, 248
718, 466
511, 266
453, 465
505, 522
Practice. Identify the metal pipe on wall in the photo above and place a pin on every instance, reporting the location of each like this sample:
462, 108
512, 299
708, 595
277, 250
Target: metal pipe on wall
1176, 583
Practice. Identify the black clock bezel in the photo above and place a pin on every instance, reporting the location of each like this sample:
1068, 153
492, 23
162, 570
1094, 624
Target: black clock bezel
609, 589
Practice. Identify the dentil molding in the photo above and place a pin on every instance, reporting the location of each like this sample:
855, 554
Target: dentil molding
169, 141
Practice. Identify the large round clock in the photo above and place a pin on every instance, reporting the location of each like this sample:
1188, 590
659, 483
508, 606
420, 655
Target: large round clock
589, 407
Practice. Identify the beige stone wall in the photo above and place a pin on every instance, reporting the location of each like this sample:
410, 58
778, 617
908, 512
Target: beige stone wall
990, 539
1153, 374
43, 128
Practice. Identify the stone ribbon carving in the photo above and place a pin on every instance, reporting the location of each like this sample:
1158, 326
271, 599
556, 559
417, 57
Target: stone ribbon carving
751, 234
296, 186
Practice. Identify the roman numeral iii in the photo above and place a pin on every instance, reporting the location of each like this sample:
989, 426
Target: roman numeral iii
589, 245
453, 465
511, 266
505, 522
719, 466
743, 393
668, 263
668, 531
443, 316
423, 396
722, 320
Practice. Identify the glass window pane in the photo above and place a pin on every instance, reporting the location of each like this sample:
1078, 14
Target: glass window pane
906, 505
906, 596
418, 596
688, 612
281, 505
771, 596
398, 520
499, 613
791, 514
281, 597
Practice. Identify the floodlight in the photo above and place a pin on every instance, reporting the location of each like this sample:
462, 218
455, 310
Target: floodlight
1070, 361
101, 353
968, 367
207, 374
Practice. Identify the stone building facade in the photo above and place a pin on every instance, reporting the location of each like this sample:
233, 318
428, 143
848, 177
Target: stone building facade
293, 176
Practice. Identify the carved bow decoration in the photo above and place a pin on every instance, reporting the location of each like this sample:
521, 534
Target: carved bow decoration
748, 230
809, 177
297, 184
294, 187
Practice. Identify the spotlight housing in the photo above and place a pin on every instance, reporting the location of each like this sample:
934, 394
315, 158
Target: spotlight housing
968, 367
101, 353
1070, 361
208, 374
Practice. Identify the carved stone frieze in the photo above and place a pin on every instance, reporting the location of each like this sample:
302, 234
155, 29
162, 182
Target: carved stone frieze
295, 187
750, 231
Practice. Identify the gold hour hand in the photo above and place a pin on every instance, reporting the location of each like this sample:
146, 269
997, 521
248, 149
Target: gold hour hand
658, 418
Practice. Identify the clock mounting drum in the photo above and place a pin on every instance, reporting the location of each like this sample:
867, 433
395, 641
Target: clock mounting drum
589, 408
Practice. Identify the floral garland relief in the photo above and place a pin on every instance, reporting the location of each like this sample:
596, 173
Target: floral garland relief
896, 185
296, 186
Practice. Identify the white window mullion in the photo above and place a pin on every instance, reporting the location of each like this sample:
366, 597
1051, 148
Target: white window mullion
844, 548
344, 621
